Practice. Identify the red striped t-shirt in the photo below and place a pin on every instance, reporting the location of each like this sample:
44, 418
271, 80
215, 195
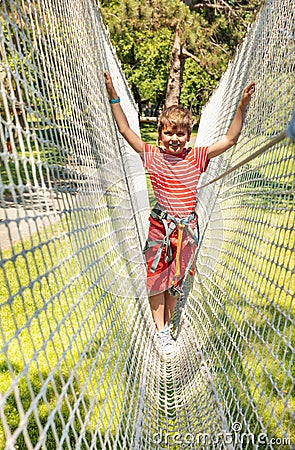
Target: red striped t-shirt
175, 177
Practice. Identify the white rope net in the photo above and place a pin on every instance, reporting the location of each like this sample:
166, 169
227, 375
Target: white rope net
80, 366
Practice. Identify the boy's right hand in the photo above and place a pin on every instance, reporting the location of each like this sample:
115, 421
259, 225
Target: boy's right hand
109, 85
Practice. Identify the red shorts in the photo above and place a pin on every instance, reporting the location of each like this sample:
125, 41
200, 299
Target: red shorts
162, 278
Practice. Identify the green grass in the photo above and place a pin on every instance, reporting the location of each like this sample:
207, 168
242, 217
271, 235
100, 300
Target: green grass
59, 320
63, 335
257, 310
149, 133
52, 300
262, 275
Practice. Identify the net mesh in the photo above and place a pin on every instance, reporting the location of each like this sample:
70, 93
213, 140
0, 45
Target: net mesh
80, 367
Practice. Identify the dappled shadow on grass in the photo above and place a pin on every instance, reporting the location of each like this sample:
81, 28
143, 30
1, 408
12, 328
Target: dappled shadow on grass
30, 181
46, 161
257, 191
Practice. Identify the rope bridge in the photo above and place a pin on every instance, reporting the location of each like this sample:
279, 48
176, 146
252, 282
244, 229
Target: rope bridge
80, 366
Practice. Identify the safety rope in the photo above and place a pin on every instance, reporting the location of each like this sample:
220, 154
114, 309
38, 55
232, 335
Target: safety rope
272, 143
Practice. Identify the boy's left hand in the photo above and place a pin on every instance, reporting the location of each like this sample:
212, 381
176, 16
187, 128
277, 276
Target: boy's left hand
109, 85
248, 91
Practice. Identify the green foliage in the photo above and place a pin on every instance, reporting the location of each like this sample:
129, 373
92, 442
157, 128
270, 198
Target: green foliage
152, 48
143, 34
197, 86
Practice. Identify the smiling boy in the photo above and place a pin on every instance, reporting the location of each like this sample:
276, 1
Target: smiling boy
174, 170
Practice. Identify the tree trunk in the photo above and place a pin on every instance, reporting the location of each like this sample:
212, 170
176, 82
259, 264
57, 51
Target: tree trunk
175, 74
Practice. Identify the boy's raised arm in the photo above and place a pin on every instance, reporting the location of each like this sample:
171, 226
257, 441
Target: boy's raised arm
232, 136
123, 126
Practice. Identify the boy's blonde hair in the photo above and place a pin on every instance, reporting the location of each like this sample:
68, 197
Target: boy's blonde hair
177, 117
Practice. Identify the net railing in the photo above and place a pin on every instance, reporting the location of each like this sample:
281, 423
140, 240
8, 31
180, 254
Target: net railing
74, 313
242, 304
80, 367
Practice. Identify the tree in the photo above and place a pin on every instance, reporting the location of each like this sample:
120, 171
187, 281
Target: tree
231, 18
177, 47
175, 73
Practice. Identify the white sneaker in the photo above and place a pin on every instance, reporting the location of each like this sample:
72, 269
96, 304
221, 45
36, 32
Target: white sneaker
166, 341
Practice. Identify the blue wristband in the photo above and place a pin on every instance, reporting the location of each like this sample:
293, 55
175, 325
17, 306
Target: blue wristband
115, 100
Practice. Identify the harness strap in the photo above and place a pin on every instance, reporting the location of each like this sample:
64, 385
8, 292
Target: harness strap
181, 226
170, 223
165, 242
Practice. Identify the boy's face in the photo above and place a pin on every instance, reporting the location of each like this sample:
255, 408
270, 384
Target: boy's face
174, 139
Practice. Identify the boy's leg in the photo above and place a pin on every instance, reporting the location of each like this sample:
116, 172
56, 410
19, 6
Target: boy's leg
162, 306
157, 303
170, 303
8, 145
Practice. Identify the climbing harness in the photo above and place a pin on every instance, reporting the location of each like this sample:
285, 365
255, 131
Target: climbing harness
170, 223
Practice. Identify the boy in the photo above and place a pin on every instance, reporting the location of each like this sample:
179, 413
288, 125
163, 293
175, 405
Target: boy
174, 171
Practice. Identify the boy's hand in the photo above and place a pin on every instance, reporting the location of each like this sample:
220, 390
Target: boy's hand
109, 85
247, 94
